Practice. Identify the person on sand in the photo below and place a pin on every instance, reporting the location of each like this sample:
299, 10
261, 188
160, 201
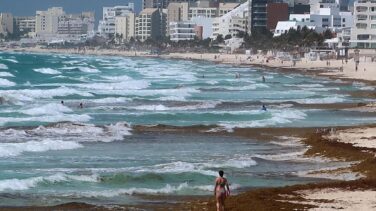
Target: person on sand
220, 191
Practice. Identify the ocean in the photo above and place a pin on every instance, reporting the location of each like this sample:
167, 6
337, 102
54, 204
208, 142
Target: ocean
54, 151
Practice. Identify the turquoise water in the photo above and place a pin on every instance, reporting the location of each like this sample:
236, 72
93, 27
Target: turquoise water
54, 153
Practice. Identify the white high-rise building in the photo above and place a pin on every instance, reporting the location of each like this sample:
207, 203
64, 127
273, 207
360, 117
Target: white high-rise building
363, 32
325, 14
316, 5
106, 26
232, 23
183, 30
46, 22
55, 26
76, 24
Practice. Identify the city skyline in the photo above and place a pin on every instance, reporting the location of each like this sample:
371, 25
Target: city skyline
17, 8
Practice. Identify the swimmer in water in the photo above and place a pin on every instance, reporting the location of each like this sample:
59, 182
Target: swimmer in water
81, 105
263, 79
264, 107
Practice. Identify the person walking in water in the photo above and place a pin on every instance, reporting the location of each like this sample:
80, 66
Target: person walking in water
220, 191
263, 108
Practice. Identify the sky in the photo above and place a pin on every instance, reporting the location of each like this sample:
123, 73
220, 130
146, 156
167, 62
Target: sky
28, 7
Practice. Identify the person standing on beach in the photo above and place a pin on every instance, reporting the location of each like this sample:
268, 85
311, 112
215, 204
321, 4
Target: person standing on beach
220, 191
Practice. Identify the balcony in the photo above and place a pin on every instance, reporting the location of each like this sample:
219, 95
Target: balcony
259, 18
259, 11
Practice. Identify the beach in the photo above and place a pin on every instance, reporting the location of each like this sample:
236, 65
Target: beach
322, 139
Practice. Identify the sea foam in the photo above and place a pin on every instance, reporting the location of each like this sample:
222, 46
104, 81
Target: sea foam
6, 83
49, 71
3, 67
15, 149
6, 74
47, 109
71, 132
25, 184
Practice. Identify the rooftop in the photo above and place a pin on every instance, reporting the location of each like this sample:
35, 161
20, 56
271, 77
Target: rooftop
148, 11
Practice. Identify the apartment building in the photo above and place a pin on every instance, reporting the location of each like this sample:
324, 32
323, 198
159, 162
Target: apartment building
25, 23
106, 26
257, 18
46, 22
232, 23
177, 12
125, 27
363, 32
209, 12
76, 24
150, 24
6, 23
183, 30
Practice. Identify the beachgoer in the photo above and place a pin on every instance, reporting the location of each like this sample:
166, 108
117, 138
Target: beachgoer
263, 79
81, 105
62, 102
264, 107
220, 191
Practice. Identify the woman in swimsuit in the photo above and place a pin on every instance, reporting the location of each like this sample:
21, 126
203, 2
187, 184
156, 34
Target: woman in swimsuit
220, 192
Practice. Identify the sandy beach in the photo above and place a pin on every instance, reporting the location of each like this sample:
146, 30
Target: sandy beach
353, 144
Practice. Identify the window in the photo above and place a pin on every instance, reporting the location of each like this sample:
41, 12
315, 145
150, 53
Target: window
361, 17
325, 20
343, 19
373, 26
361, 25
363, 37
361, 9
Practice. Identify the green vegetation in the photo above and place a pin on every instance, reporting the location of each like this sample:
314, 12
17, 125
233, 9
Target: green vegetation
300, 37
